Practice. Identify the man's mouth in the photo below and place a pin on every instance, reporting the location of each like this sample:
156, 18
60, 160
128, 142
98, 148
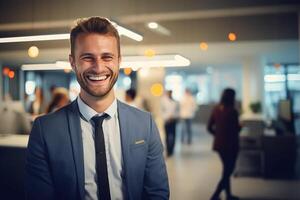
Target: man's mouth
93, 77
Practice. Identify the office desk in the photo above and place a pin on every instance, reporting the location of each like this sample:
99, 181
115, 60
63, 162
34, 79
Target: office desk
12, 166
267, 156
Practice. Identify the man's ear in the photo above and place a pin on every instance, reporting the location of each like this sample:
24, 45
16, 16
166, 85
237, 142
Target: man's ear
72, 62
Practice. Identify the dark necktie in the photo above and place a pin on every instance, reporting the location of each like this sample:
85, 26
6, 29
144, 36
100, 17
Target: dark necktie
101, 166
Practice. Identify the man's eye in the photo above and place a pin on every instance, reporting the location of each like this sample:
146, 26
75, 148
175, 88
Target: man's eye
87, 58
107, 58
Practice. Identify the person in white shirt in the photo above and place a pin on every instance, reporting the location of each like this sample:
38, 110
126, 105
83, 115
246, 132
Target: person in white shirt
188, 107
170, 112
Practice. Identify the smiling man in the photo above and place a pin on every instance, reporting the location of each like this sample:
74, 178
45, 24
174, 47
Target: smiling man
96, 147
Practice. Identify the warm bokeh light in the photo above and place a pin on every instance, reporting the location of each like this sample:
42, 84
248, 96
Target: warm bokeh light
150, 53
33, 52
5, 71
127, 71
232, 36
157, 89
11, 74
277, 66
203, 46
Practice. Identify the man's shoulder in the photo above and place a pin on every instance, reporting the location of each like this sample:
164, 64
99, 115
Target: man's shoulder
132, 111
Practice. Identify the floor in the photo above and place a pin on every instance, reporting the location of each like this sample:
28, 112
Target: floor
194, 171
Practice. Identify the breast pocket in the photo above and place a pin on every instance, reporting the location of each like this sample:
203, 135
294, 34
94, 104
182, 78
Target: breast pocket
138, 144
138, 156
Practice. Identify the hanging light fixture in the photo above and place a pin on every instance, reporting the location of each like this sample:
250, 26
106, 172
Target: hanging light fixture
33, 51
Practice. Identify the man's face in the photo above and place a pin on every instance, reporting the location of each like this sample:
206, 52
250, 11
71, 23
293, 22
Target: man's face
96, 63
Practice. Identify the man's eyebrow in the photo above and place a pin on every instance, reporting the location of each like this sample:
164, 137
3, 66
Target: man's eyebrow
107, 54
86, 54
92, 55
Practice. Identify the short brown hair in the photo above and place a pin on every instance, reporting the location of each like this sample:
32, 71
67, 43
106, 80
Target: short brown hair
93, 25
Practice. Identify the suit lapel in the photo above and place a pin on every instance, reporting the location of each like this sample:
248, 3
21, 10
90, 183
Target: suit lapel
76, 140
125, 142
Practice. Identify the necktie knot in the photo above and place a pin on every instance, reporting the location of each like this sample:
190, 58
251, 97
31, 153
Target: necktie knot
98, 120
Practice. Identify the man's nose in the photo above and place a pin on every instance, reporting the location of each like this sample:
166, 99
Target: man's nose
98, 63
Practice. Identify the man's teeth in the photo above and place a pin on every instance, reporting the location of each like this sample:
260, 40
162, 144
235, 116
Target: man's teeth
97, 78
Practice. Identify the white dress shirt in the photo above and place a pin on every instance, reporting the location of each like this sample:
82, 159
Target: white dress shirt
113, 150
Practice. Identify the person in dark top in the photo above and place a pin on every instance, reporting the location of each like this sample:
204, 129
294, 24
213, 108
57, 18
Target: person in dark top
224, 126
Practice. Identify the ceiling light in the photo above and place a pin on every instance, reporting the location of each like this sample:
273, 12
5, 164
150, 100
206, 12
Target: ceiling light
158, 28
65, 36
149, 53
35, 38
203, 46
232, 37
33, 51
11, 74
133, 62
128, 33
152, 25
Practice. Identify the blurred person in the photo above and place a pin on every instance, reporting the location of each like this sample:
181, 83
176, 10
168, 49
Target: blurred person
188, 107
130, 95
170, 112
225, 127
52, 89
37, 106
96, 147
60, 98
134, 100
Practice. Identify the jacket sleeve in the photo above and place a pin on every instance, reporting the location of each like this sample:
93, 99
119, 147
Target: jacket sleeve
156, 185
38, 181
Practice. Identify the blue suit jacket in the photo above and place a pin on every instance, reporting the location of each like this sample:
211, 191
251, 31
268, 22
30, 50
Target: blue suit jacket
55, 166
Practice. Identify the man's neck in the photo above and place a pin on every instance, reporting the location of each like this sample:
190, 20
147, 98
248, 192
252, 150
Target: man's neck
99, 104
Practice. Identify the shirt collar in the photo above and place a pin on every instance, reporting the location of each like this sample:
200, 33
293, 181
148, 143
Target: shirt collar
87, 112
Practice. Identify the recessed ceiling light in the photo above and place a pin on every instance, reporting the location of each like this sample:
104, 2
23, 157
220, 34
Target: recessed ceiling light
149, 53
158, 28
152, 25
33, 52
203, 46
232, 37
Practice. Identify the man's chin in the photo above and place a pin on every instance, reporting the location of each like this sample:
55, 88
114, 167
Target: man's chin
99, 94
